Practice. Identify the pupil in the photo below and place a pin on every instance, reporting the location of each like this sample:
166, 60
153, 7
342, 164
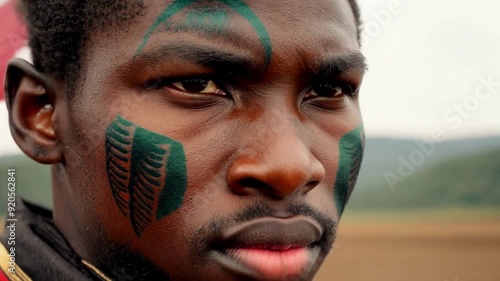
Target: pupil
326, 90
195, 85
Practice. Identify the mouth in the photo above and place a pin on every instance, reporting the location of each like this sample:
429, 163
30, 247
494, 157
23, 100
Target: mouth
270, 248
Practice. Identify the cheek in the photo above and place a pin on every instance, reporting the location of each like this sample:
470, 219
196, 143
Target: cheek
130, 177
205, 198
208, 156
146, 171
351, 148
84, 178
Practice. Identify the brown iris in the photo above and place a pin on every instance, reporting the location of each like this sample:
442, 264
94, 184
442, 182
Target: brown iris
198, 86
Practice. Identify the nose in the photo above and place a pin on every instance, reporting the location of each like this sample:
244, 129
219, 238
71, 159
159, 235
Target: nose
280, 164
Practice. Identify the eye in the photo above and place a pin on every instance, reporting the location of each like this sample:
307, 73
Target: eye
330, 96
330, 90
188, 86
198, 86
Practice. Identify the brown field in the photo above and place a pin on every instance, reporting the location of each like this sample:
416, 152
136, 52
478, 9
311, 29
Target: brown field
429, 250
377, 248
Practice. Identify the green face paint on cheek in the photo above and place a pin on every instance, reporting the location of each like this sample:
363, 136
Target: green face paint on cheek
146, 172
351, 148
217, 19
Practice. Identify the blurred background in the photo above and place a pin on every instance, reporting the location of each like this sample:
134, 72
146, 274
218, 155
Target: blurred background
427, 203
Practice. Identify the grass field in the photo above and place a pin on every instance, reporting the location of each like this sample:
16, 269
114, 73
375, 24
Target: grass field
440, 248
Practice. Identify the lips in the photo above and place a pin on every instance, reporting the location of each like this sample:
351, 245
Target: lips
270, 248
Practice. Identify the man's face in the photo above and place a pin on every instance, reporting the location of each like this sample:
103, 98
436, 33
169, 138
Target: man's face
218, 142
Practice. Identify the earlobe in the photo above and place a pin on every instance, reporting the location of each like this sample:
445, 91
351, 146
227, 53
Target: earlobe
31, 101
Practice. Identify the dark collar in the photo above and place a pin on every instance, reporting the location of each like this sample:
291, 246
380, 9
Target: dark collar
40, 249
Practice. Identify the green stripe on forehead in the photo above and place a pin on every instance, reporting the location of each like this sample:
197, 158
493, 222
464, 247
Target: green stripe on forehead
237, 5
245, 11
208, 19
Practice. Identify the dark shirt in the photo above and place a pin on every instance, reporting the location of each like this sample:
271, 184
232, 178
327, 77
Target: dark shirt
41, 252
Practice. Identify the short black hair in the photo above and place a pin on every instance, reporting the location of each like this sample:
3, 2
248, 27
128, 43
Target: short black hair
357, 17
58, 29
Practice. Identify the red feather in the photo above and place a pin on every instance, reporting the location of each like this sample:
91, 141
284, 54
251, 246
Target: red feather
13, 36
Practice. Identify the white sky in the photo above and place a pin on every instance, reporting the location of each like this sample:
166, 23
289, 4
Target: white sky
424, 59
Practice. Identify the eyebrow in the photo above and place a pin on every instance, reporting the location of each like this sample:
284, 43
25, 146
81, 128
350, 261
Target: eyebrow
339, 64
203, 55
230, 62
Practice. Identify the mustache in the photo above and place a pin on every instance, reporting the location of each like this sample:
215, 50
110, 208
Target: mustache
219, 223
120, 262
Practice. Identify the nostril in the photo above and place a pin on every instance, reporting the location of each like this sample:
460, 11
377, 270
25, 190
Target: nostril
311, 185
251, 183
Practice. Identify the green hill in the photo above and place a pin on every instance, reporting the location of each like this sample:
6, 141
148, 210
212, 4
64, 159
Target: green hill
463, 181
382, 155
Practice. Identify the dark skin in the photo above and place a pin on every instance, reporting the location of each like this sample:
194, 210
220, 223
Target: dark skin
265, 143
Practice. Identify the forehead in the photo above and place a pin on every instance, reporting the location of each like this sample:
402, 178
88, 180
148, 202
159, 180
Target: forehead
269, 32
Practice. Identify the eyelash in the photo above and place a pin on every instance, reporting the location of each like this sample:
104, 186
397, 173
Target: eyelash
160, 82
348, 90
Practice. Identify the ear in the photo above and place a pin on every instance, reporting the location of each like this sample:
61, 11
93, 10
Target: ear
31, 101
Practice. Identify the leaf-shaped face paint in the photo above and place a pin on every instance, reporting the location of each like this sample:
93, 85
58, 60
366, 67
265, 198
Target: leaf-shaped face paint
146, 172
351, 148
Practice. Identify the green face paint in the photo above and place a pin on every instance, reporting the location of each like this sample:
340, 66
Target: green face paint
206, 20
216, 19
351, 148
146, 172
